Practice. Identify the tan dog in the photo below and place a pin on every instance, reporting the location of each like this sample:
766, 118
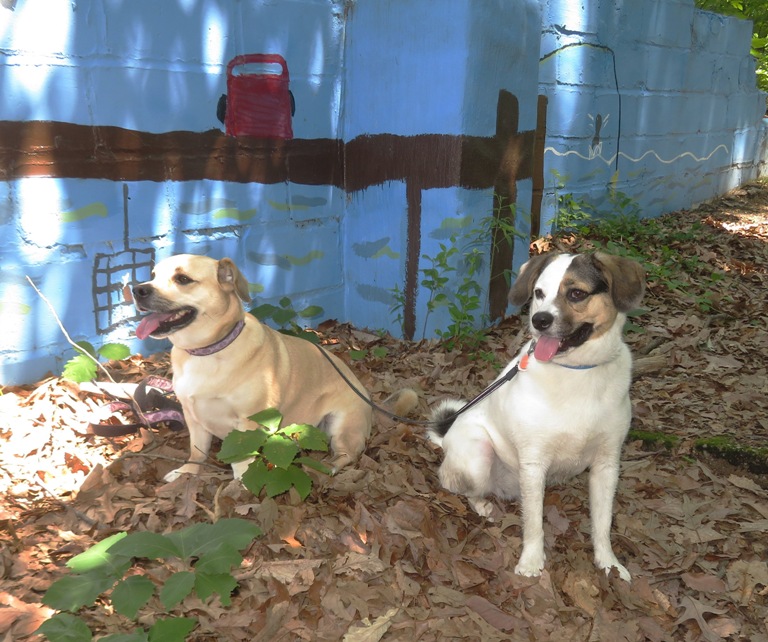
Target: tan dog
227, 366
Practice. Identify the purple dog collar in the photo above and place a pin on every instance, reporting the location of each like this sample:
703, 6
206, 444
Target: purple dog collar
221, 344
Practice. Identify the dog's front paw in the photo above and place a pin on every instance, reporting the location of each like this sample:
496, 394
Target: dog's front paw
530, 564
482, 506
623, 572
340, 461
186, 469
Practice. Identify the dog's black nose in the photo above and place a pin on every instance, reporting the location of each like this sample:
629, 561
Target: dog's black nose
141, 291
542, 320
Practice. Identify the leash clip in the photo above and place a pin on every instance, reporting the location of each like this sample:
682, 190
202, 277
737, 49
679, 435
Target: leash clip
523, 365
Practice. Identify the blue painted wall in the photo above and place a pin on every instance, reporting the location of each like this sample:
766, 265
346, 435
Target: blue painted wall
404, 79
654, 100
156, 67
673, 88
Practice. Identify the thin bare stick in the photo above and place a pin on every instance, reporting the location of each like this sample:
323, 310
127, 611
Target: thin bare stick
66, 334
136, 406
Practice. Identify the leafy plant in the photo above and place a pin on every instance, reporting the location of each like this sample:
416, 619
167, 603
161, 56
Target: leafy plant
378, 352
198, 559
82, 367
757, 12
452, 280
501, 229
277, 454
284, 316
398, 304
572, 214
578, 215
435, 278
622, 231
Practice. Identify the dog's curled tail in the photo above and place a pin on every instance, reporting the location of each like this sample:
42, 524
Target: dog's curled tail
442, 419
402, 402
397, 406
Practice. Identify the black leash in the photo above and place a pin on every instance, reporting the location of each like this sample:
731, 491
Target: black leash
417, 422
153, 403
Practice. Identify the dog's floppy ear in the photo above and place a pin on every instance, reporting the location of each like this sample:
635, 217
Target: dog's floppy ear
626, 279
230, 280
522, 288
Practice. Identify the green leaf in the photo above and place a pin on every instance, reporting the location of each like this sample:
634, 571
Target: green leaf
79, 369
176, 588
380, 352
174, 629
308, 436
264, 311
97, 557
255, 477
222, 583
65, 627
87, 347
274, 481
192, 540
300, 481
269, 418
280, 451
285, 302
239, 445
311, 311
279, 481
197, 539
283, 317
131, 594
114, 351
146, 544
357, 355
237, 532
221, 560
75, 591
310, 462
307, 336
140, 636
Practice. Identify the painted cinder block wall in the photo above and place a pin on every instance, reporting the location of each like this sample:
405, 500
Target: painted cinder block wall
153, 68
654, 99
101, 174
111, 155
404, 79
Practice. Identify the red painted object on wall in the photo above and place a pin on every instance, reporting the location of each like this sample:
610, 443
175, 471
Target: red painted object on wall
258, 104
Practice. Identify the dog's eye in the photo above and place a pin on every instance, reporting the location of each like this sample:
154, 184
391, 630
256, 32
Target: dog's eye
538, 293
576, 295
182, 279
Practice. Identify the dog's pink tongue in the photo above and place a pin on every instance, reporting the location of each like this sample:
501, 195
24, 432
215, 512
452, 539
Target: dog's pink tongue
546, 348
150, 323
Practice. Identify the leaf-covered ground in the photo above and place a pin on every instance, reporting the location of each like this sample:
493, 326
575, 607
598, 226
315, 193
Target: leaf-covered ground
380, 552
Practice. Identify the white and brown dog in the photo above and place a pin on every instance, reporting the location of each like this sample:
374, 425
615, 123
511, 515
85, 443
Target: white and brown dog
566, 410
227, 366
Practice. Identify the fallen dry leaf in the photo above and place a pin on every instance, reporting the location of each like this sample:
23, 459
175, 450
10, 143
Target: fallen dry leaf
373, 631
695, 610
743, 577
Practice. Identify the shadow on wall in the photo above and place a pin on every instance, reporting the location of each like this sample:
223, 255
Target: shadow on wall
427, 161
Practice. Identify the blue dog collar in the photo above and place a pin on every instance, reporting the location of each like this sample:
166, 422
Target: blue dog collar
565, 365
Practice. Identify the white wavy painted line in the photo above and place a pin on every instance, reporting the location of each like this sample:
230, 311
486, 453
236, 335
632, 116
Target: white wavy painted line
609, 161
